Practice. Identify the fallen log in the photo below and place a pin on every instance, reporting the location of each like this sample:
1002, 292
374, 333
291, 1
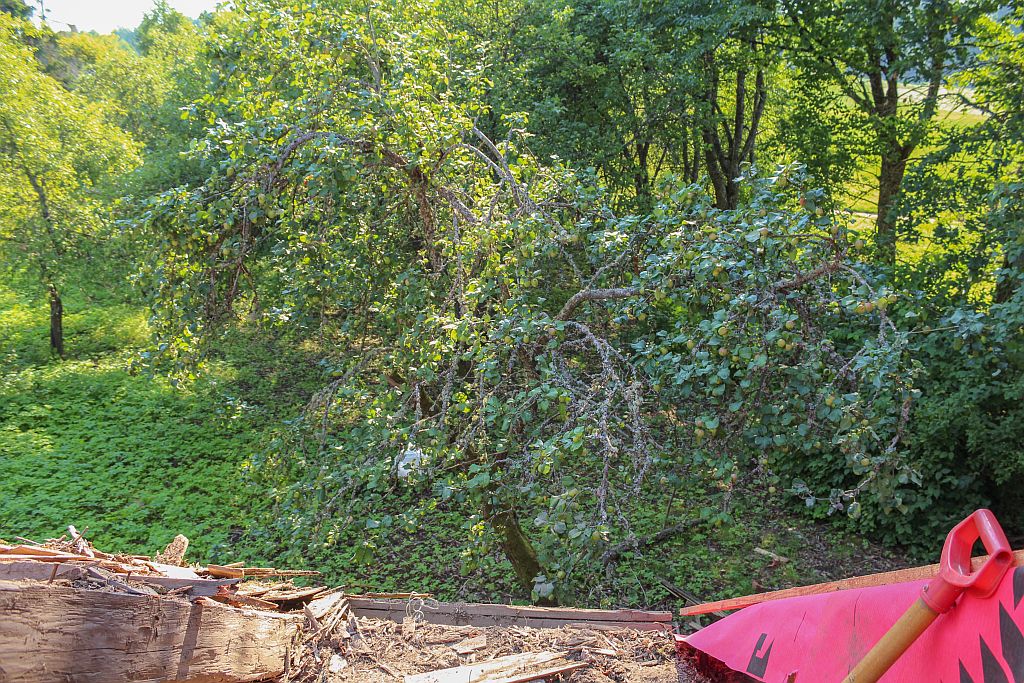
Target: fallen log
51, 633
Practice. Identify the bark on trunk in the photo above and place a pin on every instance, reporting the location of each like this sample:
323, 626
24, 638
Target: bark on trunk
1006, 287
642, 177
56, 322
516, 545
728, 143
890, 179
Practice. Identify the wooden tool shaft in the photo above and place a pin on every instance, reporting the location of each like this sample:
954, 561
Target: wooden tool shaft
893, 644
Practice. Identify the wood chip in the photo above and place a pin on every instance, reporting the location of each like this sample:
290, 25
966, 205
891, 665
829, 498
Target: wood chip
471, 644
337, 663
775, 558
313, 621
408, 627
518, 668
174, 553
81, 545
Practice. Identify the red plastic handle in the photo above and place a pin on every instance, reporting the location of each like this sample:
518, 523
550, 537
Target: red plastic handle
955, 572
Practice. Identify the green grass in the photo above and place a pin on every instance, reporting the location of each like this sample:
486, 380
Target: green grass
860, 194
129, 457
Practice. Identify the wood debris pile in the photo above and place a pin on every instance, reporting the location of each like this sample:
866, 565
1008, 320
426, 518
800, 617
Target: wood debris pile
73, 613
370, 650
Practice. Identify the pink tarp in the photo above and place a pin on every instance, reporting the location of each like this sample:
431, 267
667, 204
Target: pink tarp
821, 637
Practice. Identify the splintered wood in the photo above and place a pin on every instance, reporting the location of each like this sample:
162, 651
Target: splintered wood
174, 553
74, 614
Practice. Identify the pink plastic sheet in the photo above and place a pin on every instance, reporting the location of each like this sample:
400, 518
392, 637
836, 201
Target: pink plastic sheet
821, 638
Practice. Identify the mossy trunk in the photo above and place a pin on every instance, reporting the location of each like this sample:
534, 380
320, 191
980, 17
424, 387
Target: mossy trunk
517, 547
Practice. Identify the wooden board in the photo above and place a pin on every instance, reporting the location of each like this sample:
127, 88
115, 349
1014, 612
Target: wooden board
883, 579
483, 615
519, 668
32, 570
52, 633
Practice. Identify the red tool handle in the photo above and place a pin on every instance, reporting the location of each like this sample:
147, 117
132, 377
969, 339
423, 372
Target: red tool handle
955, 575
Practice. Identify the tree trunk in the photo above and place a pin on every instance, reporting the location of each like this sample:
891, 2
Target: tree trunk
890, 179
1006, 286
641, 177
516, 545
727, 144
56, 322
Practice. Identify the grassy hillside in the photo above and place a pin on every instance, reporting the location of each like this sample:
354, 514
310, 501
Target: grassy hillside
87, 442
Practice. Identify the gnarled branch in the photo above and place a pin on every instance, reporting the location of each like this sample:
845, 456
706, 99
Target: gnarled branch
595, 295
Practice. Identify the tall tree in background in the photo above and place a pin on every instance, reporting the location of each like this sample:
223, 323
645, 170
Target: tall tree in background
641, 90
891, 61
736, 65
56, 154
608, 85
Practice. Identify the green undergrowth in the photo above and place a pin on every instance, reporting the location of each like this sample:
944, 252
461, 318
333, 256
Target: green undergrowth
88, 441
708, 560
135, 460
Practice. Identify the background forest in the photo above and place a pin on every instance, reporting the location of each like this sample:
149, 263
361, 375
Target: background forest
532, 299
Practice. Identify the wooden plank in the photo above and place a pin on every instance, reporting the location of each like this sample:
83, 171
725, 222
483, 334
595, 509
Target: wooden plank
517, 611
109, 565
31, 570
519, 668
482, 615
176, 572
52, 633
868, 581
225, 572
487, 622
197, 587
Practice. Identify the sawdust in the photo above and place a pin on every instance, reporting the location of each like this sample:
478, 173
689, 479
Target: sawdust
377, 651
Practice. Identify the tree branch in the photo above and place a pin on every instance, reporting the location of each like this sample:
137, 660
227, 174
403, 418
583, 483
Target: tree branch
615, 552
595, 295
787, 286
